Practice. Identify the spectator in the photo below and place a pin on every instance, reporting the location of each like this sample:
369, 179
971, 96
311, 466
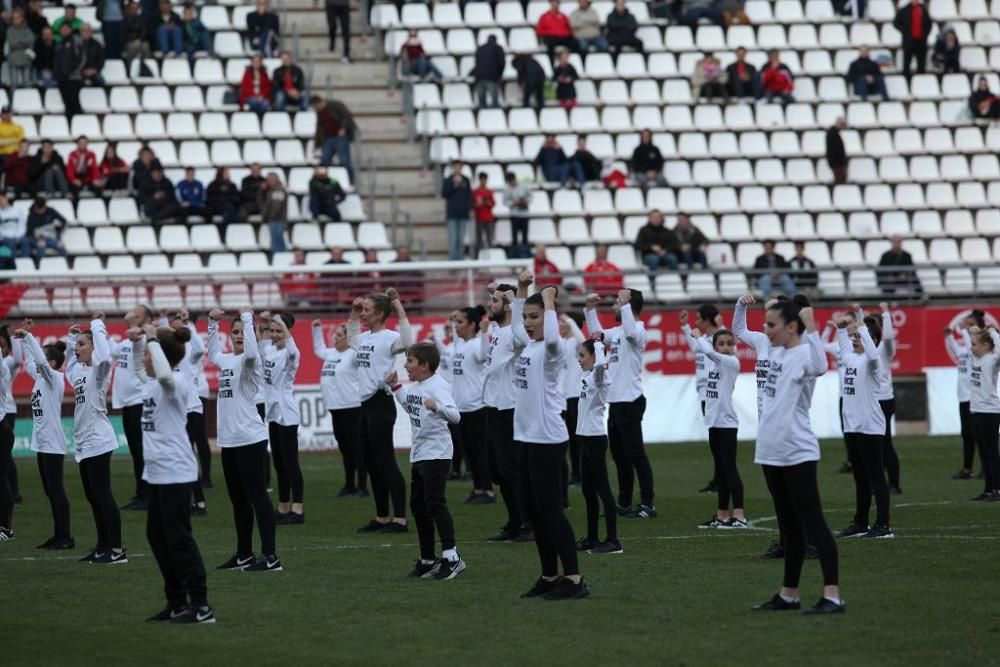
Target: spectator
20, 57
589, 164
982, 102
11, 134
457, 193
771, 267
622, 29
264, 30
158, 199
913, 21
136, 34
334, 131
414, 61
34, 17
647, 162
336, 256
517, 198
669, 10
111, 15
709, 78
289, 85
836, 153
741, 77
554, 30
856, 9
82, 170
804, 273
17, 170
555, 166
531, 78
167, 30
272, 200
895, 269
586, 25
142, 168
776, 79
946, 51
69, 18
67, 69
114, 171
300, 287
325, 195
488, 72
223, 200
190, 196
339, 10
601, 276
482, 207
656, 244
45, 57
13, 228
196, 37
866, 76
45, 228
691, 243
564, 75
255, 89
734, 12
250, 187
546, 272
93, 57
48, 171
695, 10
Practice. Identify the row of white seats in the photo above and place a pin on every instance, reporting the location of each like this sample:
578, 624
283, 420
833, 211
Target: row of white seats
39, 301
214, 17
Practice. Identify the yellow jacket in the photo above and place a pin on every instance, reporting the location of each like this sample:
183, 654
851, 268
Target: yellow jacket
10, 136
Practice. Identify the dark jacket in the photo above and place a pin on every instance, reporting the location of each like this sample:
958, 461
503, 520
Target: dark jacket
549, 158
774, 262
257, 24
221, 192
689, 235
490, 63
136, 28
48, 223
45, 55
589, 163
249, 188
278, 79
621, 26
529, 72
157, 21
93, 54
904, 20
39, 167
150, 203
36, 22
863, 67
68, 60
565, 90
804, 273
895, 270
836, 154
273, 203
458, 199
647, 157
660, 235
328, 191
141, 173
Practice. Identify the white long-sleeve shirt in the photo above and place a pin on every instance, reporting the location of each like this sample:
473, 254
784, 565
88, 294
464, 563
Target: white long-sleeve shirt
860, 388
5, 381
983, 379
832, 348
468, 371
13, 365
700, 367
237, 421
280, 368
761, 345
125, 390
192, 365
93, 434
721, 371
47, 435
13, 222
886, 351
431, 437
594, 386
572, 372
963, 354
626, 345
537, 382
444, 365
505, 349
338, 380
376, 354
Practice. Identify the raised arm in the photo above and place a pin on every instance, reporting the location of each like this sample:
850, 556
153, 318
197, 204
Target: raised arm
521, 338
574, 330
16, 355
35, 363
161, 367
888, 333
319, 345
702, 345
818, 364
251, 350
197, 346
443, 404
405, 331
590, 314
871, 351
354, 323
214, 345
629, 326
995, 337
550, 326
102, 350
844, 346
71, 360
600, 364
754, 339
482, 352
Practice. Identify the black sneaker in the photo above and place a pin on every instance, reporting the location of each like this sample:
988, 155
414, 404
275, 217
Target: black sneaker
540, 588
361, 493
237, 562
981, 497
608, 547
6, 534
895, 491
47, 544
711, 487
962, 474
826, 606
879, 533
565, 589
203, 614
372, 526
735, 524
347, 493
774, 552
714, 522
481, 499
198, 511
292, 519
993, 497
525, 534
280, 517
854, 530
62, 544
846, 468
110, 558
471, 500
642, 512
623, 510
265, 563
506, 534
135, 505
777, 603
167, 614
89, 556
586, 544
449, 569
423, 569
393, 527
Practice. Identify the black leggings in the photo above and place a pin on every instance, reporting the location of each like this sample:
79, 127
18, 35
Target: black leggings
800, 514
6, 460
864, 451
50, 469
473, 429
519, 226
378, 416
429, 505
629, 451
347, 431
132, 425
596, 486
987, 425
95, 472
723, 443
168, 529
244, 469
458, 452
889, 455
572, 469
505, 464
713, 447
12, 479
285, 451
541, 467
200, 439
195, 425
968, 436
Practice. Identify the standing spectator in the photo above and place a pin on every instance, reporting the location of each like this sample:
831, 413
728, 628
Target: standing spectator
488, 72
776, 80
482, 205
602, 276
93, 57
136, 34
734, 12
255, 89
589, 164
647, 162
564, 76
11, 134
517, 198
67, 70
17, 170
223, 200
946, 51
803, 273
695, 10
142, 168
623, 29
555, 166
836, 154
457, 193
45, 57
866, 76
14, 228
414, 61
190, 196
34, 17
20, 57
770, 268
333, 136
709, 78
587, 31
250, 187
69, 18
339, 10
691, 243
546, 272
48, 171
158, 199
196, 37
45, 228
111, 14
114, 171
272, 200
656, 244
554, 30
895, 269
913, 22
167, 30
531, 78
289, 85
983, 103
264, 30
325, 195
82, 170
741, 77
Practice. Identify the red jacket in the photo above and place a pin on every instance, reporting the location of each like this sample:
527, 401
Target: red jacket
554, 24
598, 277
482, 204
89, 171
247, 87
546, 273
777, 80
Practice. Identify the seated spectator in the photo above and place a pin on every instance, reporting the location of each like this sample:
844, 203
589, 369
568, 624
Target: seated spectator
158, 198
741, 77
647, 162
490, 63
709, 78
554, 30
866, 76
289, 85
771, 268
223, 200
482, 211
517, 198
546, 272
45, 228
272, 200
82, 170
776, 79
166, 29
695, 10
142, 168
946, 51
555, 166
45, 57
135, 31
587, 31
531, 78
895, 269
656, 244
67, 68
34, 17
255, 89
335, 129
803, 273
249, 189
299, 287
197, 38
20, 57
325, 195
564, 75
190, 196
414, 61
93, 57
14, 228
264, 30
588, 162
48, 171
17, 170
983, 103
68, 18
622, 29
691, 243
836, 152
669, 10
114, 171
601, 276
11, 134
734, 12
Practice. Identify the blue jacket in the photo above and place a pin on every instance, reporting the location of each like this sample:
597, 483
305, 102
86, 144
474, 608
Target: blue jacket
191, 192
458, 200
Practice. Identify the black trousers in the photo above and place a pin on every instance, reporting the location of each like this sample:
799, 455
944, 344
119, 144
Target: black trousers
132, 425
285, 451
723, 443
473, 429
716, 473
889, 455
168, 529
70, 91
347, 431
987, 426
596, 485
378, 416
865, 454
968, 436
15, 486
200, 440
50, 469
505, 463
535, 89
95, 473
429, 505
519, 226
343, 15
914, 49
195, 425
540, 471
797, 505
629, 451
243, 468
575, 448
6, 460
267, 454
458, 451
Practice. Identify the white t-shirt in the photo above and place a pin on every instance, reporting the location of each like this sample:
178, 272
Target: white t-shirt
537, 382
700, 367
280, 368
338, 380
625, 345
262, 348
761, 345
886, 350
468, 371
593, 395
983, 379
431, 437
860, 387
572, 372
13, 364
167, 452
237, 421
721, 371
47, 436
376, 355
93, 434
963, 354
498, 389
444, 365
5, 381
193, 365
126, 390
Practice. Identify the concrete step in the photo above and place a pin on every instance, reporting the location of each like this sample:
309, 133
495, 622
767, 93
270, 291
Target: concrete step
366, 101
358, 74
382, 128
407, 182
395, 155
314, 22
424, 210
362, 48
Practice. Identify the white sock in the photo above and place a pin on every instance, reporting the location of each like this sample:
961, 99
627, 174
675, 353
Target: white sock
787, 599
424, 561
837, 600
450, 554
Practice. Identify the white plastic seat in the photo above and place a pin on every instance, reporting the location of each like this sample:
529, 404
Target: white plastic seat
110, 240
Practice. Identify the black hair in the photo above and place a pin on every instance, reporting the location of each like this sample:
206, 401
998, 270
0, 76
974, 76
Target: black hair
588, 345
382, 303
576, 316
5, 334
172, 343
425, 353
708, 312
56, 352
874, 328
288, 319
636, 301
788, 311
980, 318
473, 314
504, 287
801, 300
719, 333
535, 300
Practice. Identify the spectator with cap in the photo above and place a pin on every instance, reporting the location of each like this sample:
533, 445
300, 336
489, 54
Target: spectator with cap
93, 57
602, 276
48, 171
190, 195
45, 228
20, 57
657, 244
554, 30
647, 162
11, 134
264, 30
691, 243
289, 85
325, 195
158, 198
82, 170
770, 268
866, 76
490, 62
587, 30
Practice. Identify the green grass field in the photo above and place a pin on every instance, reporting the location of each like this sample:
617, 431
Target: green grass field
679, 596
